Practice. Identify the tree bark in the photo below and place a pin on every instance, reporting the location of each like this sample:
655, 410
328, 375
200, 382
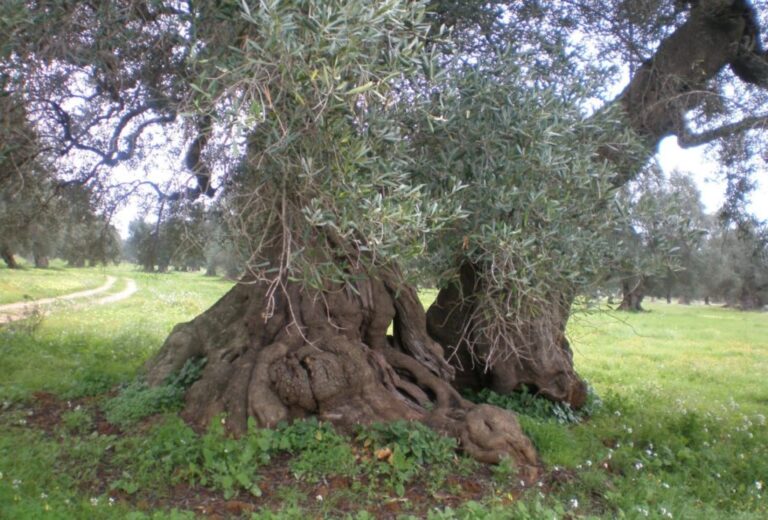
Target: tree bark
8, 257
41, 261
538, 356
674, 80
633, 293
287, 353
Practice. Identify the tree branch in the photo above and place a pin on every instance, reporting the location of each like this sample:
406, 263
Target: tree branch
687, 139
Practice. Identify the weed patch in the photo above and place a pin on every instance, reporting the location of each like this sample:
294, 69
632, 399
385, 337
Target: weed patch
138, 400
526, 402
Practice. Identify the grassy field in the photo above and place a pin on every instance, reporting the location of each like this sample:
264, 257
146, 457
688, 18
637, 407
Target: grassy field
29, 283
679, 429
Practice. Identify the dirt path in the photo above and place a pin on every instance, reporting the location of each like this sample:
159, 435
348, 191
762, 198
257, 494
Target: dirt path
130, 288
20, 310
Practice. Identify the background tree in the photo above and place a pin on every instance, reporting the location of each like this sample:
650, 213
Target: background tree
736, 262
139, 246
656, 248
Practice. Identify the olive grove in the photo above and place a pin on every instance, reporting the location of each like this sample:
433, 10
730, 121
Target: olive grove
354, 148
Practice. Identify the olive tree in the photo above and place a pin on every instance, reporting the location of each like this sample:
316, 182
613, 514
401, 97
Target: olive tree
346, 139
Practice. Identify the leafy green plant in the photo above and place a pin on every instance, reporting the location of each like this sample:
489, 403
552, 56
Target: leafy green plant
504, 471
229, 464
529, 403
169, 452
91, 382
319, 450
138, 400
402, 450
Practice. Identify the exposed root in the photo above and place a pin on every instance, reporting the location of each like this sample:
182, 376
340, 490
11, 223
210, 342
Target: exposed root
328, 355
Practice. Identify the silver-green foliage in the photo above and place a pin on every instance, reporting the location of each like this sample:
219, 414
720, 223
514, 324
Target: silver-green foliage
537, 193
325, 170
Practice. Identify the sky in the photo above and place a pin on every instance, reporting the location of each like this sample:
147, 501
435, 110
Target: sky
704, 171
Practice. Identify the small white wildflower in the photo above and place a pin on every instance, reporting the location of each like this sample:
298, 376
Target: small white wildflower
750, 435
759, 485
1, 475
522, 483
574, 503
717, 475
94, 501
617, 413
111, 501
629, 430
319, 498
589, 463
665, 485
43, 496
16, 483
638, 465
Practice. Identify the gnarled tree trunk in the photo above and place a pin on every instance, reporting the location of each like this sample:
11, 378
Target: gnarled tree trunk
8, 257
282, 353
633, 293
41, 261
538, 356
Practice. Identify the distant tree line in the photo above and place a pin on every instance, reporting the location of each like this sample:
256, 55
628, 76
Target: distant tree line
672, 249
184, 237
41, 220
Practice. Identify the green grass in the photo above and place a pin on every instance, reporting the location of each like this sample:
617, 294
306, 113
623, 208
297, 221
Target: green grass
29, 283
681, 432
699, 355
107, 341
